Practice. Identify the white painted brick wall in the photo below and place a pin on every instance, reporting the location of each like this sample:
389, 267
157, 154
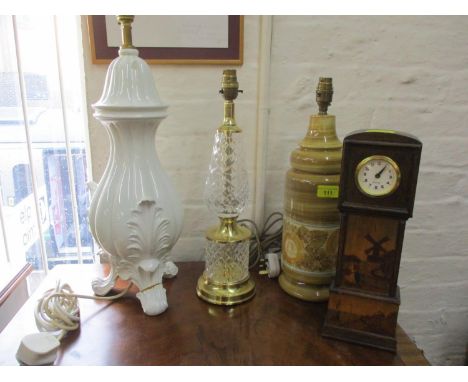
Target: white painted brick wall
403, 73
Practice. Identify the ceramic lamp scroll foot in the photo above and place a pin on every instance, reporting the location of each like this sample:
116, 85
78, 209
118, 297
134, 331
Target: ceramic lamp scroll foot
153, 300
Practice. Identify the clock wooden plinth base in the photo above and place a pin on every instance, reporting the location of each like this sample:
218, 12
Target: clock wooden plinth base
363, 319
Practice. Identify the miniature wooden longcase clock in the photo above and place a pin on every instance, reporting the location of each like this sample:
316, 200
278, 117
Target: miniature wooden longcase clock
377, 189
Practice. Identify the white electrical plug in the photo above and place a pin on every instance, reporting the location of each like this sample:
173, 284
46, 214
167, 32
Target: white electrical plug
273, 265
56, 313
38, 349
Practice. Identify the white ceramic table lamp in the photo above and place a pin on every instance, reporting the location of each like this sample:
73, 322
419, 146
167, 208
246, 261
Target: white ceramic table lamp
135, 214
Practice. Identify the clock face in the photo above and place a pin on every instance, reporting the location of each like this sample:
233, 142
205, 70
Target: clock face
377, 175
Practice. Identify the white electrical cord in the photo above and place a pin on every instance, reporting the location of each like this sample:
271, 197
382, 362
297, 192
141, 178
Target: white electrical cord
56, 313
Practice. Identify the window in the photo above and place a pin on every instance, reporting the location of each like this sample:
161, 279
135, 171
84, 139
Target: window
43, 160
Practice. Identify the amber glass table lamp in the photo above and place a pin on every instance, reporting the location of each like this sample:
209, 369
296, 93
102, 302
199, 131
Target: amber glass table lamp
226, 279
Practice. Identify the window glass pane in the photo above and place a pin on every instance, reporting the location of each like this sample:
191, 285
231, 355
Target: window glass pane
3, 254
47, 131
69, 41
59, 225
19, 209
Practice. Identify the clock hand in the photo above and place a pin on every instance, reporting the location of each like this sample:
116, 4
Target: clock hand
380, 172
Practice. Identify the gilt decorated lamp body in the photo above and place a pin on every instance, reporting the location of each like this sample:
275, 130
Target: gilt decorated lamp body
135, 213
311, 218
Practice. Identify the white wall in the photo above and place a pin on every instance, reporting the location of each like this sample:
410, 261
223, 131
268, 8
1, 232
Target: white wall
403, 73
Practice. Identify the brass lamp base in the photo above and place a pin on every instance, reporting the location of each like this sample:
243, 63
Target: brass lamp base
307, 288
225, 294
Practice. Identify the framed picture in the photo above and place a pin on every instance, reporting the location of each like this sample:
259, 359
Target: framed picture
172, 39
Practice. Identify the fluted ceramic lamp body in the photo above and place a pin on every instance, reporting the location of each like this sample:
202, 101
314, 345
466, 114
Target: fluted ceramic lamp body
135, 213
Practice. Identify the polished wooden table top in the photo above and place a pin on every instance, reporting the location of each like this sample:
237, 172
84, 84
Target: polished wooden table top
271, 329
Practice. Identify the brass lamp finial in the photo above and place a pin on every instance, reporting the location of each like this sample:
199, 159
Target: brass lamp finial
229, 85
324, 94
125, 23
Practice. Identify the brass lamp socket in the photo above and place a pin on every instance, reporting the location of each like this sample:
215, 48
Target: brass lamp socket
324, 94
230, 91
229, 85
125, 22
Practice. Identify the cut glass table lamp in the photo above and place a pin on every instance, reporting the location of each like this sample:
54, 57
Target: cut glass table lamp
226, 279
